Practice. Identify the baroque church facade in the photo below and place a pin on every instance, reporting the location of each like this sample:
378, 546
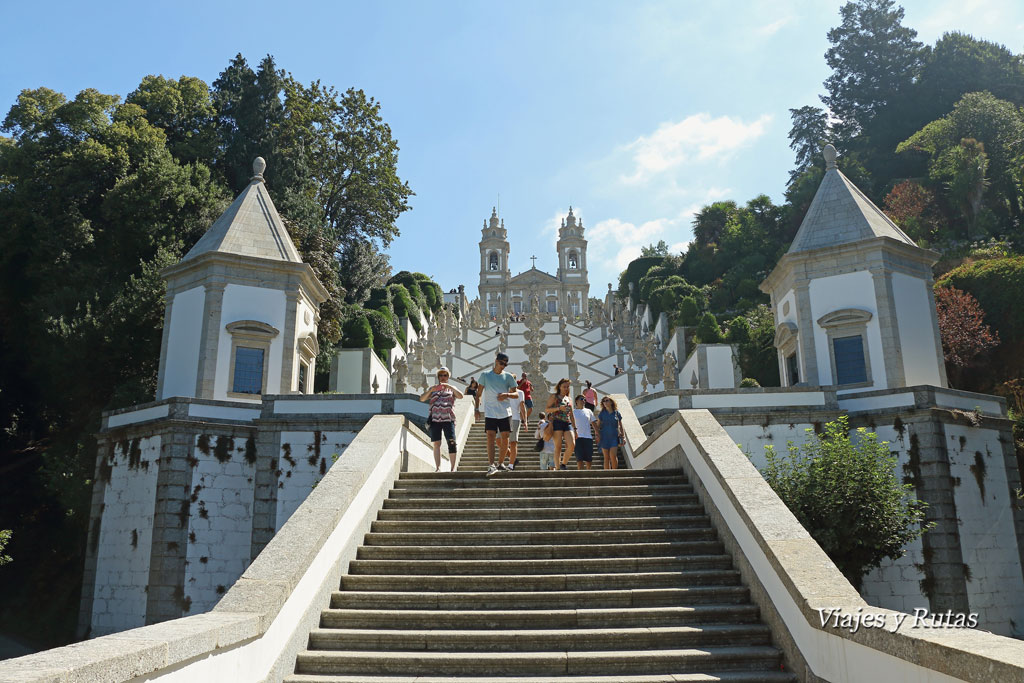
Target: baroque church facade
566, 292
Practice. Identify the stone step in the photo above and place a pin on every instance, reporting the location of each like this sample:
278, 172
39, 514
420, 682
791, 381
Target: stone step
515, 480
539, 663
715, 677
537, 582
527, 524
568, 488
505, 595
543, 537
647, 475
490, 567
557, 501
541, 513
685, 552
540, 640
624, 616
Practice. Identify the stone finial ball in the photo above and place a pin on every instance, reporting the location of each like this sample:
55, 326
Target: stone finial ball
259, 165
830, 155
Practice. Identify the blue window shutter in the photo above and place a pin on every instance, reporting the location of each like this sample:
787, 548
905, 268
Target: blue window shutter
849, 355
248, 371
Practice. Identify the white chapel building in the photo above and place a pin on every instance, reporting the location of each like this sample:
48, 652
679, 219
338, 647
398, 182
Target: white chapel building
242, 308
853, 300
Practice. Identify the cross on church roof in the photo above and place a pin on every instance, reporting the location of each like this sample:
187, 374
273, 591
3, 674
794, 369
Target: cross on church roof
534, 259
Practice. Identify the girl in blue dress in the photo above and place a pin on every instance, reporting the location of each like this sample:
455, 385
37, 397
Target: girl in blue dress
611, 432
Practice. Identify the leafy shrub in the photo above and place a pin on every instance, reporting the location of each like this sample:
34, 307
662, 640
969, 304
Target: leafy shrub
404, 306
357, 333
687, 313
998, 286
739, 331
708, 331
758, 357
379, 297
384, 335
845, 493
5, 537
636, 269
749, 383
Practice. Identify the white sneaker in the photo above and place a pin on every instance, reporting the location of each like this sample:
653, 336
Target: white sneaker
492, 470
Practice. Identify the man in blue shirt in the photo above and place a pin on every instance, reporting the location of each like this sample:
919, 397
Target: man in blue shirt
497, 387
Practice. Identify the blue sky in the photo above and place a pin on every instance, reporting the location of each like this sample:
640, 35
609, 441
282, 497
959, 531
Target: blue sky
635, 113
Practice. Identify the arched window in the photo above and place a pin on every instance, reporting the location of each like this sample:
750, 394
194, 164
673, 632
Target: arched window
492, 263
573, 260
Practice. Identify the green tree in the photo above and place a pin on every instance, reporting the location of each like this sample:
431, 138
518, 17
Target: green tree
874, 59
183, 109
981, 118
659, 249
807, 137
361, 268
845, 493
93, 206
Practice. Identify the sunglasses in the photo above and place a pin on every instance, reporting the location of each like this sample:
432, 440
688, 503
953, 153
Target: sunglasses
503, 363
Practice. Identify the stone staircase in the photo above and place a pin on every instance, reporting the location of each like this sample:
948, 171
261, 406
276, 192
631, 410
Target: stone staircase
474, 454
528, 576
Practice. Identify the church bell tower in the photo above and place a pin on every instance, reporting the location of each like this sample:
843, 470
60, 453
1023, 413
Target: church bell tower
494, 271
572, 266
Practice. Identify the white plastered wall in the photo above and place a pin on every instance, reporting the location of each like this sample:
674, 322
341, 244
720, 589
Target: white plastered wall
917, 338
896, 584
303, 461
302, 330
242, 302
984, 511
126, 538
220, 520
849, 290
721, 373
183, 343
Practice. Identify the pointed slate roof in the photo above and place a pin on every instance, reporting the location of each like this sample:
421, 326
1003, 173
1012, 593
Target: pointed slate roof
841, 214
251, 226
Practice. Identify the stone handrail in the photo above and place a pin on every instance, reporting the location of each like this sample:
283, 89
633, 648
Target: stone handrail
795, 584
254, 632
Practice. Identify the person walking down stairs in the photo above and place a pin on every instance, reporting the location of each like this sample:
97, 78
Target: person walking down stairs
497, 387
519, 419
442, 416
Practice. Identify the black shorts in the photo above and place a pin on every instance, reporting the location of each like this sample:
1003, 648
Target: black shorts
446, 429
498, 424
589, 406
584, 449
560, 426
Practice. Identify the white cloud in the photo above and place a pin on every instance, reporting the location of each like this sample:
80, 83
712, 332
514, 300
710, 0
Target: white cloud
615, 242
772, 28
697, 138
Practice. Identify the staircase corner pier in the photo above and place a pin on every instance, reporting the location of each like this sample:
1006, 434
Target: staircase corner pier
265, 617
790, 577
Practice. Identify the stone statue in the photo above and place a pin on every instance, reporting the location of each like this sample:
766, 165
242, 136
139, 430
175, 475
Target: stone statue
671, 376
401, 375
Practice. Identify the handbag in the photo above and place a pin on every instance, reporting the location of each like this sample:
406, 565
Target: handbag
539, 446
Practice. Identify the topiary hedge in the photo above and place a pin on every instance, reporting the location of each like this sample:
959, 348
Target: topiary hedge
404, 306
384, 335
636, 269
356, 333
